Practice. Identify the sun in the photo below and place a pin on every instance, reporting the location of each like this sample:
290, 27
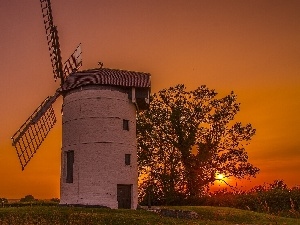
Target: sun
220, 179
220, 176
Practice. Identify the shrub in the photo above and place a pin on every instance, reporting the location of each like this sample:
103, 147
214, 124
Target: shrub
274, 198
3, 200
28, 198
54, 200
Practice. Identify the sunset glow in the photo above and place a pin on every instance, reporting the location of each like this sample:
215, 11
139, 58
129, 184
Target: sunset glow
220, 176
221, 182
249, 47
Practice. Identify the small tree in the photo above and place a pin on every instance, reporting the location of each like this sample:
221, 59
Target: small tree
28, 198
186, 137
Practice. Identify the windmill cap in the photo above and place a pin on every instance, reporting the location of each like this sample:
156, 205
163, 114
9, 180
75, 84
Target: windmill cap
106, 76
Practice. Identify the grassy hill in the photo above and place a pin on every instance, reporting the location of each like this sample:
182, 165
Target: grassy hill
87, 216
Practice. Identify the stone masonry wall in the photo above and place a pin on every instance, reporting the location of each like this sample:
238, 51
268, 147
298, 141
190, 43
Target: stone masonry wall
93, 129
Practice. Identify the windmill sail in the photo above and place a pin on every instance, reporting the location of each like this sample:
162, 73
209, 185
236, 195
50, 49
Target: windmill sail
53, 41
32, 133
73, 63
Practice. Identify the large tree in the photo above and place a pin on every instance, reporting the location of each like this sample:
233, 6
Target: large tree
186, 138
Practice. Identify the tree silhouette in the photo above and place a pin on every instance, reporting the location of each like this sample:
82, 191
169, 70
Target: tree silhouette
28, 198
186, 137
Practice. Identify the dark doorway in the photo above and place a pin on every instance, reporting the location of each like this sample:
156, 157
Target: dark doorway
124, 196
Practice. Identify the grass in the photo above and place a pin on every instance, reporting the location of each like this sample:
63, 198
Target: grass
226, 215
88, 216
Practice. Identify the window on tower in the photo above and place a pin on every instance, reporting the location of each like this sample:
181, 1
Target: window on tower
69, 166
125, 124
127, 159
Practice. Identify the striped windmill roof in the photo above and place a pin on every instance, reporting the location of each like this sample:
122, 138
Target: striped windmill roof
107, 76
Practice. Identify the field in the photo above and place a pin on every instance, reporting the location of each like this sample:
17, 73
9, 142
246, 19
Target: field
87, 216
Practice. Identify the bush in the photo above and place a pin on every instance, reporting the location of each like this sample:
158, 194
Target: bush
32, 204
54, 200
3, 200
28, 198
275, 198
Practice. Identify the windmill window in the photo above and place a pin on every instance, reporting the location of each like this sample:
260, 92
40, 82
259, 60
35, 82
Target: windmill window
127, 159
125, 124
69, 165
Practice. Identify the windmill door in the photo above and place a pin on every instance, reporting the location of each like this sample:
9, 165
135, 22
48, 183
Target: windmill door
124, 196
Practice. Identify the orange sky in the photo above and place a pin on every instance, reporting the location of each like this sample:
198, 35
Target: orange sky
250, 47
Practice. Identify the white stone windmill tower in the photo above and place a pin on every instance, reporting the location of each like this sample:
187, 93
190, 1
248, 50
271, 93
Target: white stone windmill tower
99, 151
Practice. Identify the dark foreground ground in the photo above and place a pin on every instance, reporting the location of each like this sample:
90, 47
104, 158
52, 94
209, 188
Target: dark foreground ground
86, 216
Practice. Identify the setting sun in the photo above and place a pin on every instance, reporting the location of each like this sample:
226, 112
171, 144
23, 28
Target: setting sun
220, 176
221, 181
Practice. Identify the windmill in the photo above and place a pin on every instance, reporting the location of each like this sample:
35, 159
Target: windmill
99, 155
